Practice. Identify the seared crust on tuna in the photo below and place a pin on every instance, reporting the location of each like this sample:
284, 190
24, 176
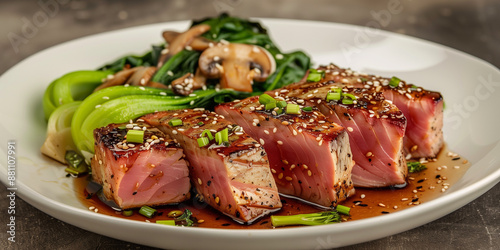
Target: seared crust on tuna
234, 178
422, 108
136, 174
375, 127
309, 156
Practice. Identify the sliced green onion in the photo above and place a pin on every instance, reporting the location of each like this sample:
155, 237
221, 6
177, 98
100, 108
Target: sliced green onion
265, 99
147, 211
203, 141
201, 123
333, 96
175, 122
314, 77
292, 109
135, 136
353, 97
394, 82
347, 101
281, 104
222, 136
363, 79
307, 109
207, 132
279, 111
270, 105
73, 159
166, 222
343, 209
127, 213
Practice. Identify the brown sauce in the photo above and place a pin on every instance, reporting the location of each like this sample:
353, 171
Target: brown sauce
422, 187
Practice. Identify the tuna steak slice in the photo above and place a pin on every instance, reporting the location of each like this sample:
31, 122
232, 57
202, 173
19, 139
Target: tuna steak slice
310, 158
234, 179
375, 126
137, 174
422, 108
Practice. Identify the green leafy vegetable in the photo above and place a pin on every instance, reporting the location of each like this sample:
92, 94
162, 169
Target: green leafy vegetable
415, 166
312, 219
71, 87
185, 219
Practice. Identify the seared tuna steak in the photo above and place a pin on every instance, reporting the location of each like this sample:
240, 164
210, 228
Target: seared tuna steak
375, 127
233, 177
136, 174
422, 108
310, 157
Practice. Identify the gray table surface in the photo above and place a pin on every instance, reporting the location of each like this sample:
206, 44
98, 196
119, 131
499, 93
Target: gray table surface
470, 26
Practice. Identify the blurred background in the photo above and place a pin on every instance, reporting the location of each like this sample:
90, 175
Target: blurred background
471, 26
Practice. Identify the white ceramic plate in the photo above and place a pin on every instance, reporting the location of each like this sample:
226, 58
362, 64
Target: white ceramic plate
467, 83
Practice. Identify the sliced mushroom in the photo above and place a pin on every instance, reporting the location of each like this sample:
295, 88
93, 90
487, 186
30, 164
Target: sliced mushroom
187, 83
137, 76
237, 65
179, 41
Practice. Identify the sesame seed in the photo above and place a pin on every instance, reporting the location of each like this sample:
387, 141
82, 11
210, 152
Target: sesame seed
91, 208
369, 154
288, 178
292, 166
275, 129
217, 199
199, 181
266, 132
309, 173
261, 141
350, 129
285, 162
381, 205
280, 176
363, 196
280, 142
174, 132
273, 171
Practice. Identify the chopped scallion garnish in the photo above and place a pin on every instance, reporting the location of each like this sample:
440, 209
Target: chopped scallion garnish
333, 96
147, 211
166, 222
265, 99
270, 105
353, 97
279, 111
347, 101
203, 141
127, 213
343, 209
314, 77
222, 136
175, 122
292, 109
281, 104
207, 132
307, 109
201, 123
394, 82
135, 136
